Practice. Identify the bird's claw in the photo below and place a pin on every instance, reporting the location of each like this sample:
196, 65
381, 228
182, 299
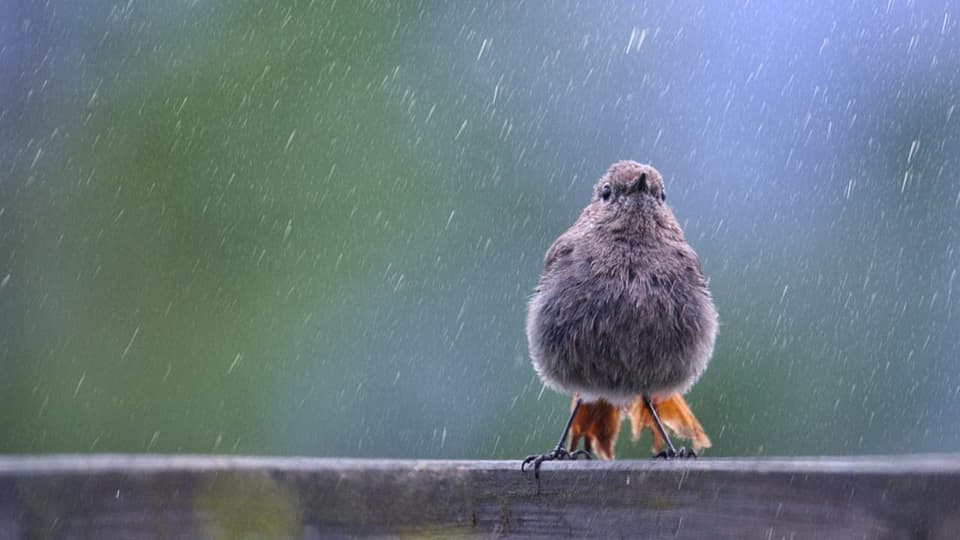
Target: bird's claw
681, 452
557, 454
581, 452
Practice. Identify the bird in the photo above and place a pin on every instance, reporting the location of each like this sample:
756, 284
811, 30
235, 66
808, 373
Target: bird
622, 319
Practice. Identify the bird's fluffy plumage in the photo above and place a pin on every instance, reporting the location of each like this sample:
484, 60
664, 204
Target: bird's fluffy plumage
622, 308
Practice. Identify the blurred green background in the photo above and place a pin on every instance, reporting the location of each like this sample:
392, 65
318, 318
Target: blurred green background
311, 228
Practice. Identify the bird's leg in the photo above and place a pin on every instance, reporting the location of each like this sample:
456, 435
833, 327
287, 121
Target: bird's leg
559, 452
669, 452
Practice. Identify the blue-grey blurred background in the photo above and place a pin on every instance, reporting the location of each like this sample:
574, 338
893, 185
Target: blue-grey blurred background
311, 228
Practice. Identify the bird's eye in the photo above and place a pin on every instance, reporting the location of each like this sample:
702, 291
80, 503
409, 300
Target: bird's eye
663, 196
605, 192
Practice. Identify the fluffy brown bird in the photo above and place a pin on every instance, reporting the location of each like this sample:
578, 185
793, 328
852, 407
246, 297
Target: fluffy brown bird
622, 319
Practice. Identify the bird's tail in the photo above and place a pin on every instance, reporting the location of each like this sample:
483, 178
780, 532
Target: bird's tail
676, 417
598, 424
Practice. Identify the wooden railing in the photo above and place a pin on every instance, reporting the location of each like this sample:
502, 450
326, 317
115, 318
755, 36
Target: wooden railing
123, 496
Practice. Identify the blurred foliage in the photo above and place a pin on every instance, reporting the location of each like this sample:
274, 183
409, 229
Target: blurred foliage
311, 227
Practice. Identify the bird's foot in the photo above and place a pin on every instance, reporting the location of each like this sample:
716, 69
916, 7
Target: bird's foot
671, 453
557, 454
577, 453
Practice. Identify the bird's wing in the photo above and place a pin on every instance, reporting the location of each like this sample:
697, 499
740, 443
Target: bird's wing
561, 249
693, 266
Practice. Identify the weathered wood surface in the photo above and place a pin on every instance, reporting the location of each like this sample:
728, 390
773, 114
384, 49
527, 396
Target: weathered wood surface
121, 496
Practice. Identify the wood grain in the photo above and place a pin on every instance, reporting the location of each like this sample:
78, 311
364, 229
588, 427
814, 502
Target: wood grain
123, 496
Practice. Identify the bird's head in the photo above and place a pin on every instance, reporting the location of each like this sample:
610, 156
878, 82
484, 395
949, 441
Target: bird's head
629, 189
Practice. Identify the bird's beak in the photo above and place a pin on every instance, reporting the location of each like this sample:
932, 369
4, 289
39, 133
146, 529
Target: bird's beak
639, 185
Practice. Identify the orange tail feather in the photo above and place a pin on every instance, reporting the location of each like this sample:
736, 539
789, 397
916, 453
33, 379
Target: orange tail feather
676, 417
598, 424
